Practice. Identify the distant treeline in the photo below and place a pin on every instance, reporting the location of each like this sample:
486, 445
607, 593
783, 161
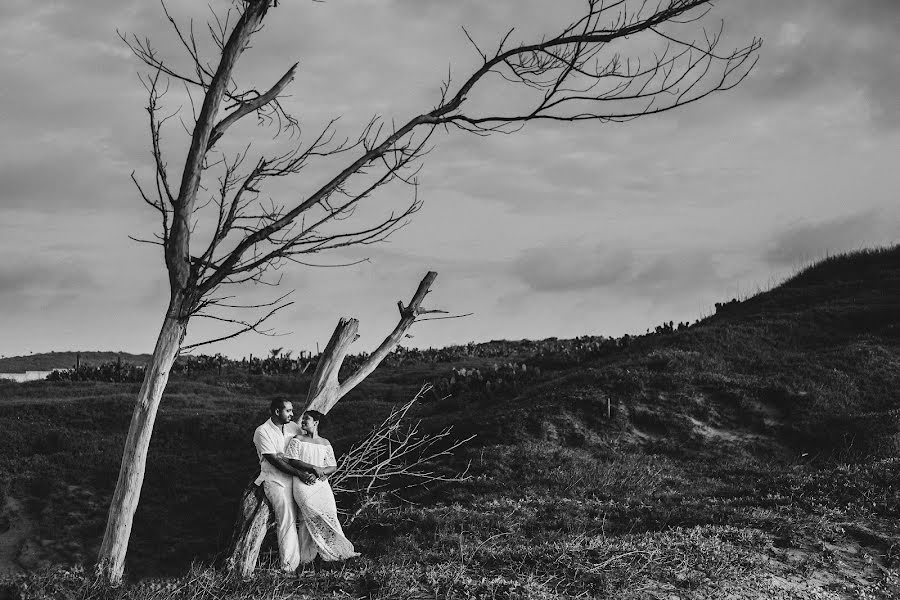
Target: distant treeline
530, 356
123, 366
48, 361
549, 353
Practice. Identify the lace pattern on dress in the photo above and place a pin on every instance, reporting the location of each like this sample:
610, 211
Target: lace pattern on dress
319, 529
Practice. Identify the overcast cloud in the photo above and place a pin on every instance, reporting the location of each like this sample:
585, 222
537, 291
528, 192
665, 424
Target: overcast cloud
558, 230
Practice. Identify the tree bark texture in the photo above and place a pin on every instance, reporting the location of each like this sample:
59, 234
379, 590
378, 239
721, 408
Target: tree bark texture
254, 518
111, 561
324, 389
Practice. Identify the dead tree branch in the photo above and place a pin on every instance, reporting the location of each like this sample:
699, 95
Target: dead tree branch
395, 457
325, 389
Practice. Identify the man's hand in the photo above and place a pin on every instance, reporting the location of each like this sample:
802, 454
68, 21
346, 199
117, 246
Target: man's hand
280, 463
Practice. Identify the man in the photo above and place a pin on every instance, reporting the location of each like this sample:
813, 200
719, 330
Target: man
275, 475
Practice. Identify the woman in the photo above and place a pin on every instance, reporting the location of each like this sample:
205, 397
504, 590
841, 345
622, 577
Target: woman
319, 530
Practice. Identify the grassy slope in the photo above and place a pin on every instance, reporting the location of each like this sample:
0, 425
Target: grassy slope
64, 360
748, 454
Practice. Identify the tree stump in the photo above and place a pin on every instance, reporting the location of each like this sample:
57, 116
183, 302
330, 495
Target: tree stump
253, 520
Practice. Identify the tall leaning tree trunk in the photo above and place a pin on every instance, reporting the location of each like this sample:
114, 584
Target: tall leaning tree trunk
111, 564
184, 297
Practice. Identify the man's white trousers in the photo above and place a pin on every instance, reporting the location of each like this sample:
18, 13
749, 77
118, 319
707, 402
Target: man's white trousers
282, 500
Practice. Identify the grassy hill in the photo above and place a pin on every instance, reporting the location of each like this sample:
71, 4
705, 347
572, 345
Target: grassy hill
751, 454
47, 361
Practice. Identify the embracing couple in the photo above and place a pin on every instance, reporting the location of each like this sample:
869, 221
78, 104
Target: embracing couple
294, 465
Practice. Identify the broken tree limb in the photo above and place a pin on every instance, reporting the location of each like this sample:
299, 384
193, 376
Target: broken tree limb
325, 389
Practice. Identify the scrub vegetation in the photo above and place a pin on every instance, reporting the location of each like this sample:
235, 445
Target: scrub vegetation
753, 454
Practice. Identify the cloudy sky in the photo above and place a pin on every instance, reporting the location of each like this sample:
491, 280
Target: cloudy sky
558, 230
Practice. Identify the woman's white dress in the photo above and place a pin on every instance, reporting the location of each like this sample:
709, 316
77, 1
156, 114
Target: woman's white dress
318, 527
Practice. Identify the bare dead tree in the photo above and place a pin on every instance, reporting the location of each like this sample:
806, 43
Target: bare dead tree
576, 74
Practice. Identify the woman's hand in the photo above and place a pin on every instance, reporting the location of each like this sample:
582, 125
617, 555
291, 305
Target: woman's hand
320, 473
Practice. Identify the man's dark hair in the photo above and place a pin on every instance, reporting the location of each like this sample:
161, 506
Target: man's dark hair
277, 404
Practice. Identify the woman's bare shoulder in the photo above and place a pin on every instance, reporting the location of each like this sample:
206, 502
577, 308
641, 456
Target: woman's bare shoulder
320, 441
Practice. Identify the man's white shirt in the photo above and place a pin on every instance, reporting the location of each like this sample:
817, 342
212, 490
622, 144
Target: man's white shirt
270, 438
